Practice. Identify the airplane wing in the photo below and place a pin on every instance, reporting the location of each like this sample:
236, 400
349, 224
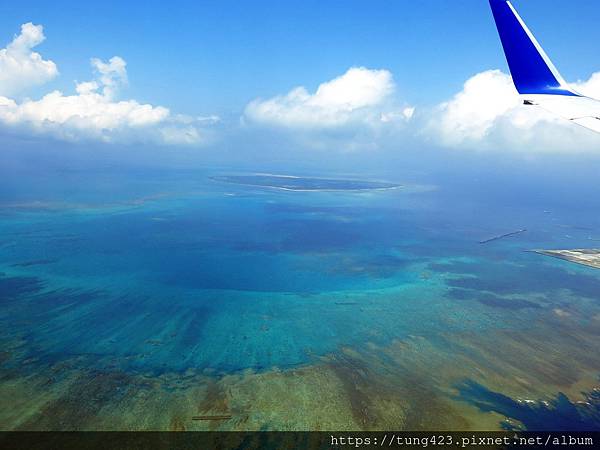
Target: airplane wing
535, 77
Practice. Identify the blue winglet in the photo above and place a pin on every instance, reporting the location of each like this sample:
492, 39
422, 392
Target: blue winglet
530, 67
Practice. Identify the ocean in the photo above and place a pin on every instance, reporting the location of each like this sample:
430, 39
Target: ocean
139, 300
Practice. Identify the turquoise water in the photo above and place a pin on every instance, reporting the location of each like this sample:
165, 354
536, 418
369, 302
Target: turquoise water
170, 274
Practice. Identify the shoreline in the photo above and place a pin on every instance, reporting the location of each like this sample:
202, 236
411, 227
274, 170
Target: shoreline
576, 256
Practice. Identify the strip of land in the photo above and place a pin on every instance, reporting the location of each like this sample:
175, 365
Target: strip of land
292, 183
588, 257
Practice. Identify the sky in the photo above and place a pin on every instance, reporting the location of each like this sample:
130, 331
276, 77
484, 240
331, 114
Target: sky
239, 78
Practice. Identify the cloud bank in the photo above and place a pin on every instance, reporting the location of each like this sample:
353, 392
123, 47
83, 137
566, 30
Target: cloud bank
357, 110
94, 112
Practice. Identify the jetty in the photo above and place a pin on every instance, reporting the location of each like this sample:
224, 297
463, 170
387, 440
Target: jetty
215, 417
502, 236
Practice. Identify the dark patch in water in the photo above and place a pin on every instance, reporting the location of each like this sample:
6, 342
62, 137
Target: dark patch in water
11, 287
355, 375
509, 279
4, 356
81, 404
101, 329
378, 266
194, 327
214, 404
315, 235
304, 236
491, 300
560, 414
35, 262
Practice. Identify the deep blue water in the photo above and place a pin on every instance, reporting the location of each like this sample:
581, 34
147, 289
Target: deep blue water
558, 415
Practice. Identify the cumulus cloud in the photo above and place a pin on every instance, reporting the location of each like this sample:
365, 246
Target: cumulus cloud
94, 111
350, 112
488, 114
591, 87
360, 95
20, 67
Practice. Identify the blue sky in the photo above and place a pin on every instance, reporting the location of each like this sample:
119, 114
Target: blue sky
205, 60
215, 56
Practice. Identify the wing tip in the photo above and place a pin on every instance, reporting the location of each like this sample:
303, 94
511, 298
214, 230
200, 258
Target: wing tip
532, 70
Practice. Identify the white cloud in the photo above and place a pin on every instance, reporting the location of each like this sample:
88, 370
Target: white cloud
20, 67
351, 112
94, 112
591, 87
488, 114
111, 74
405, 114
360, 95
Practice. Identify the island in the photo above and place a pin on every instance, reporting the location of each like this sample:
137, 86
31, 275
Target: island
295, 183
588, 257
